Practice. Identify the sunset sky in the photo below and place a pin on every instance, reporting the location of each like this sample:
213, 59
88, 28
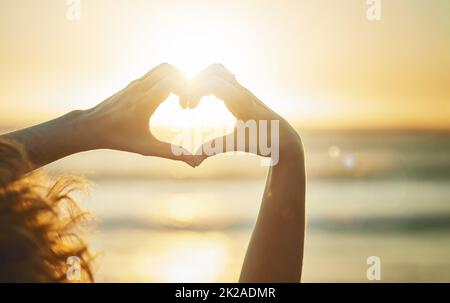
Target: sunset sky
321, 63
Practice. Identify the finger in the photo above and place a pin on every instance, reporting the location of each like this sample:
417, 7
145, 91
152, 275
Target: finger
214, 147
219, 70
157, 74
160, 91
156, 70
222, 72
184, 100
159, 71
217, 80
248, 102
234, 142
174, 152
198, 89
235, 99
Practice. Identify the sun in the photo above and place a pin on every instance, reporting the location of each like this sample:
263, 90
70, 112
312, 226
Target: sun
191, 50
194, 52
191, 46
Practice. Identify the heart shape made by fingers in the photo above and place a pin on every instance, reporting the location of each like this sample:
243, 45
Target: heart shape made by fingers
190, 128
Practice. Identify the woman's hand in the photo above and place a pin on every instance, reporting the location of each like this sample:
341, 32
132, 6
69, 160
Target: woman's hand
121, 123
218, 81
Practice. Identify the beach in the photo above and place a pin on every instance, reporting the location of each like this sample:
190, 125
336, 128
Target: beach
196, 229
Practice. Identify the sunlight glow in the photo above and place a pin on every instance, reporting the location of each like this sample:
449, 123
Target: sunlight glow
193, 47
201, 262
190, 258
182, 209
210, 117
210, 112
187, 209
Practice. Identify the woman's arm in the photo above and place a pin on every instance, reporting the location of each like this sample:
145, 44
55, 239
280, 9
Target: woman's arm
121, 123
275, 252
55, 139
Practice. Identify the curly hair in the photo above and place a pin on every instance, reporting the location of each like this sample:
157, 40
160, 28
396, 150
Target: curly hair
39, 223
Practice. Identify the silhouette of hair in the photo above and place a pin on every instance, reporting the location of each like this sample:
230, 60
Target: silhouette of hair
39, 222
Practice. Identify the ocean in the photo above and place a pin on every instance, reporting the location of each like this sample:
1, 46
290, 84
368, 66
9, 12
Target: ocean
384, 194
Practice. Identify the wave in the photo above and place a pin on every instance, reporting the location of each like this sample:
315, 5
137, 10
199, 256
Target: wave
380, 224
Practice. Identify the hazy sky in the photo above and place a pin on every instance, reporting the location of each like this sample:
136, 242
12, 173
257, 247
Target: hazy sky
319, 62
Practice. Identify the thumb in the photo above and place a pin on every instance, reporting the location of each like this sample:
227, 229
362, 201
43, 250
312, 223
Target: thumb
173, 152
224, 144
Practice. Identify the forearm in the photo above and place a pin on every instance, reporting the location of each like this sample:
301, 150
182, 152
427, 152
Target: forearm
275, 252
55, 139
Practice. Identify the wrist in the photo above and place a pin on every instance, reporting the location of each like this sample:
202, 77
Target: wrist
55, 139
77, 131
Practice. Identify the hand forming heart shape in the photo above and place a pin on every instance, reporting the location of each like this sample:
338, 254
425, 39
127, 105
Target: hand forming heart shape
122, 121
